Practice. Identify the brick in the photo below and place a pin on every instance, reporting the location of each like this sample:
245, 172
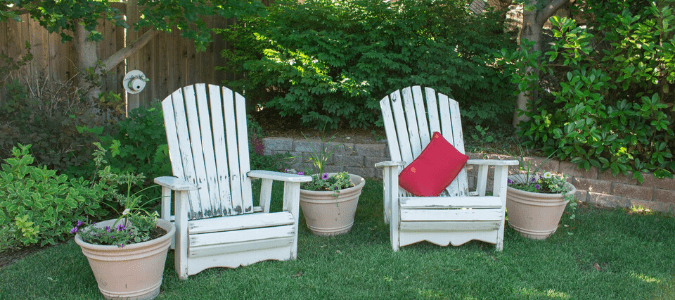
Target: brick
666, 196
472, 182
349, 161
340, 148
278, 144
363, 172
573, 170
581, 195
304, 145
544, 165
662, 183
633, 191
651, 205
591, 185
333, 169
620, 178
376, 150
607, 200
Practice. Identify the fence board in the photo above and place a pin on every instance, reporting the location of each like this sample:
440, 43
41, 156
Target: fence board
169, 60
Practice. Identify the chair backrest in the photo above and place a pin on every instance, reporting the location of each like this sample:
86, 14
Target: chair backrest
208, 146
410, 117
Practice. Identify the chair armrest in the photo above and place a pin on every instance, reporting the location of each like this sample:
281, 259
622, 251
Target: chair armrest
492, 162
385, 164
175, 184
287, 177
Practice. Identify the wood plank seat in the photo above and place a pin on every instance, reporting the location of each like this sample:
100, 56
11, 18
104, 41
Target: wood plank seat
216, 222
457, 215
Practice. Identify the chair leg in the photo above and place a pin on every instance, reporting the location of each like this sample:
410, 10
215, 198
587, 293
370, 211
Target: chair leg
180, 253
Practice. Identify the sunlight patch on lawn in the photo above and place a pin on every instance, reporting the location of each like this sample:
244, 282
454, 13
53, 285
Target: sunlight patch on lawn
645, 278
550, 293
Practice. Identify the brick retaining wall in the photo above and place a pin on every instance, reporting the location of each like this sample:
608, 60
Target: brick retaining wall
592, 186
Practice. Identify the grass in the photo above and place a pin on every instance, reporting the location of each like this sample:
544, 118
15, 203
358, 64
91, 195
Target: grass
611, 254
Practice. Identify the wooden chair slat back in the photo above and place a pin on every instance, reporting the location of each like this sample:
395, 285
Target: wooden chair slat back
208, 146
410, 117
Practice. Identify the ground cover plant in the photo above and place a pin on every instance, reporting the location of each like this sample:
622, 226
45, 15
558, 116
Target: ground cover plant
613, 254
330, 62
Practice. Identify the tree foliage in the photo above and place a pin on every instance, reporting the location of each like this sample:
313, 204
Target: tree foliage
185, 15
330, 62
604, 104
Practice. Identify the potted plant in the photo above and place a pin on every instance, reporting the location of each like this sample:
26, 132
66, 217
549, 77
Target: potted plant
329, 201
126, 254
535, 203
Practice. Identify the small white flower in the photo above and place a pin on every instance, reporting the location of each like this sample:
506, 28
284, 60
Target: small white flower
126, 211
548, 175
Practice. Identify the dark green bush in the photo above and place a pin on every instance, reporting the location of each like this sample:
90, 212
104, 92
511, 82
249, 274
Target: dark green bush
37, 206
50, 115
329, 63
606, 105
140, 146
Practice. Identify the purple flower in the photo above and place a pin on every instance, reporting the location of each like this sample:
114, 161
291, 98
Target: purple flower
534, 179
537, 186
112, 237
301, 173
120, 227
324, 176
107, 228
121, 245
79, 223
74, 230
509, 181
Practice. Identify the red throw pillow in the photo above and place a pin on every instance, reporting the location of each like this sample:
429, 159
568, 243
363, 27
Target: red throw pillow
434, 169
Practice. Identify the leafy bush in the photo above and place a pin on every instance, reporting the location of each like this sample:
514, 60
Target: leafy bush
606, 109
330, 62
48, 114
140, 145
36, 204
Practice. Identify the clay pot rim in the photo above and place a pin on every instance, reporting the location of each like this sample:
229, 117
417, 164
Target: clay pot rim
361, 183
168, 226
571, 189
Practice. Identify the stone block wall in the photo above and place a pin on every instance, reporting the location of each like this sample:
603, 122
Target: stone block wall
593, 186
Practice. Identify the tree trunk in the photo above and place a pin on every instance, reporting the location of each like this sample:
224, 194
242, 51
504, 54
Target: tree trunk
87, 57
533, 22
532, 32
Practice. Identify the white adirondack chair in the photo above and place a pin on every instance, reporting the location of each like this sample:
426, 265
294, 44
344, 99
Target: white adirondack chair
457, 215
216, 222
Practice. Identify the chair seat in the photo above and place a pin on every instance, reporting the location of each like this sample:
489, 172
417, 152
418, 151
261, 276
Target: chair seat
248, 221
449, 202
240, 233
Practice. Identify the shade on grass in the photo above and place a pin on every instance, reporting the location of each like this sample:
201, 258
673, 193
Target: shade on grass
612, 254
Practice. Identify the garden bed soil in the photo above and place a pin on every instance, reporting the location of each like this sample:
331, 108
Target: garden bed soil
10, 256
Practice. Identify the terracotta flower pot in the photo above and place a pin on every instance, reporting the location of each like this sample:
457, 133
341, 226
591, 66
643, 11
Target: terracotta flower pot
327, 215
133, 271
534, 215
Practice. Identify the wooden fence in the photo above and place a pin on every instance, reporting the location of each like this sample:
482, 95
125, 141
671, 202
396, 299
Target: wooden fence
169, 60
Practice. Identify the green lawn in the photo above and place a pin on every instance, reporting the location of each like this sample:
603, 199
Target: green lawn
612, 254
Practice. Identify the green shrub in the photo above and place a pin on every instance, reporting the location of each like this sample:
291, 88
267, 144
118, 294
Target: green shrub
607, 109
140, 144
37, 205
49, 115
330, 62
